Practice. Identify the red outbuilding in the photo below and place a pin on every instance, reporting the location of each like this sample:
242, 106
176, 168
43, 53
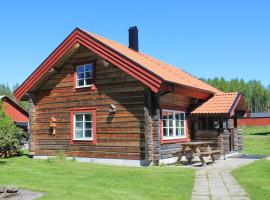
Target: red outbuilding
18, 115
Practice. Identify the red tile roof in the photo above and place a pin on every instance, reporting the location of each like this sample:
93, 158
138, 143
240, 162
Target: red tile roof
218, 104
165, 71
144, 68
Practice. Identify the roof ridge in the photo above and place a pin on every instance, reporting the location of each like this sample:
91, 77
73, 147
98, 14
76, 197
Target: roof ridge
226, 93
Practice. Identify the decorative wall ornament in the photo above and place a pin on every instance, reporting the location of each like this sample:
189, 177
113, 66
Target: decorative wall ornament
112, 108
52, 129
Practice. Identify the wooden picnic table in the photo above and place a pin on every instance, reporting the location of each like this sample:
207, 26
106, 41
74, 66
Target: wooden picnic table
195, 148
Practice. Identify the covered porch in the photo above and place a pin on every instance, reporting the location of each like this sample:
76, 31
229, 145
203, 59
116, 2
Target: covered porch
215, 120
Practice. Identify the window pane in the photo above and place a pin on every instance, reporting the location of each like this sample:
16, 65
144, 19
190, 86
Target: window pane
88, 133
79, 125
80, 75
88, 125
79, 118
177, 116
88, 67
182, 116
164, 123
80, 69
182, 131
170, 122
170, 131
80, 82
165, 132
88, 117
182, 123
78, 134
88, 81
88, 74
177, 124
177, 132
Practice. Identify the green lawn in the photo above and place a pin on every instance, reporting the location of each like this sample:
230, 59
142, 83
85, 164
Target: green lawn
257, 140
257, 130
73, 180
255, 178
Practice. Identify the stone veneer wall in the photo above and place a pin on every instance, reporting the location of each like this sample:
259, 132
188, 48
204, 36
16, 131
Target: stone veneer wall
224, 142
235, 139
239, 139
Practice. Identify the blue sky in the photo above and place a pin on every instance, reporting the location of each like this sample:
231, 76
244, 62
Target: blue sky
205, 38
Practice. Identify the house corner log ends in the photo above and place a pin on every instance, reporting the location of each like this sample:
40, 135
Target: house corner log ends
152, 126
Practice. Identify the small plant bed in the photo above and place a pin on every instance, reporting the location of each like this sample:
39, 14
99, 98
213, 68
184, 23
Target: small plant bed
255, 178
257, 140
61, 179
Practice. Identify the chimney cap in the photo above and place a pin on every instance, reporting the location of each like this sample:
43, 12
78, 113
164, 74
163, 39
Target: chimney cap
133, 28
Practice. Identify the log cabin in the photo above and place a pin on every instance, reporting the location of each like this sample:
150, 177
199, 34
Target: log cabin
101, 101
17, 114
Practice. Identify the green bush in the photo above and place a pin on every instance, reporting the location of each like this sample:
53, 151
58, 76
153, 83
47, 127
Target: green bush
11, 137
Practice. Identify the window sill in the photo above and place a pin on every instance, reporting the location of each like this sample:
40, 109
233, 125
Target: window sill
85, 88
168, 141
90, 141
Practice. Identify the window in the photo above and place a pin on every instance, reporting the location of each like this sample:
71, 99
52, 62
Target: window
173, 124
84, 76
83, 126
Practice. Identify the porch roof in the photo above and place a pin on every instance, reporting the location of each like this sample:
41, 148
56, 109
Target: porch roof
222, 104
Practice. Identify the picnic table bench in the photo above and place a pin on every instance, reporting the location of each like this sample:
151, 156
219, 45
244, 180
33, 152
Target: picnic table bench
200, 149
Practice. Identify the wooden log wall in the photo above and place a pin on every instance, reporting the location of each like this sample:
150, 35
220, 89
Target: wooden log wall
119, 135
206, 135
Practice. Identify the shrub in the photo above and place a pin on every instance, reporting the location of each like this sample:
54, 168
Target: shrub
11, 137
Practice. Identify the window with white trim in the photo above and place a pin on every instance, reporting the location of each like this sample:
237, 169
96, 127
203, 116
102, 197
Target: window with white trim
84, 75
83, 126
173, 124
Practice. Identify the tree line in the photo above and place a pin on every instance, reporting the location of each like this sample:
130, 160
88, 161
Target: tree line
256, 95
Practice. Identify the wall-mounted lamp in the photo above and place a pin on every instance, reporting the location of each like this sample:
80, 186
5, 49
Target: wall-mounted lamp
112, 108
52, 128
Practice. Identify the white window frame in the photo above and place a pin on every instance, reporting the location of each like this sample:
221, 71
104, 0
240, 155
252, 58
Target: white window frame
174, 137
84, 79
74, 126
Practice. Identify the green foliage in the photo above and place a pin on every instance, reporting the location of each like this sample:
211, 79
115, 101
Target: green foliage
5, 90
11, 137
256, 95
